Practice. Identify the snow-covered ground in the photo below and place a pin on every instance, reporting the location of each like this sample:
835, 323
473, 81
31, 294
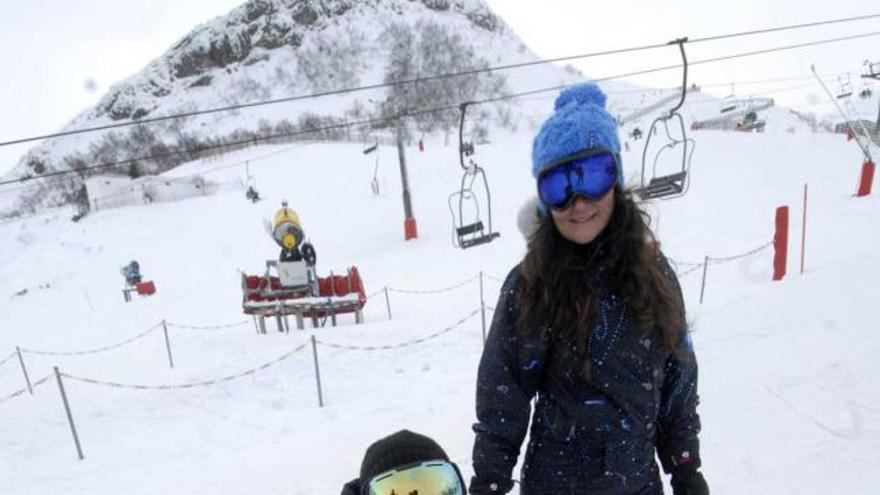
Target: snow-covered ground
789, 403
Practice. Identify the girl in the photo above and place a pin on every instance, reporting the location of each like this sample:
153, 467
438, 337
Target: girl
592, 323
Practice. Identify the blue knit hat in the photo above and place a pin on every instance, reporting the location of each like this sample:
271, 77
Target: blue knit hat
579, 123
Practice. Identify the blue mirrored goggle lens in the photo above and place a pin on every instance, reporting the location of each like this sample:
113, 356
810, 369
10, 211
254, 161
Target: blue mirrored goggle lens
592, 176
429, 478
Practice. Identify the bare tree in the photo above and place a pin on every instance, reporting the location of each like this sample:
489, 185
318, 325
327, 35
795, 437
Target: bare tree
434, 50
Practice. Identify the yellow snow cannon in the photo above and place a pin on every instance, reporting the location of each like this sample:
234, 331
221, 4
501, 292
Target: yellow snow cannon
286, 229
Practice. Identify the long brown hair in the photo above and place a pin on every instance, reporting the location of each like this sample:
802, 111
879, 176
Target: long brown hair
561, 281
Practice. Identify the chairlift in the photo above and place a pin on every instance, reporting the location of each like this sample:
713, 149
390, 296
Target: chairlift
845, 90
653, 186
374, 184
727, 106
471, 232
866, 92
251, 193
873, 70
729, 103
860, 137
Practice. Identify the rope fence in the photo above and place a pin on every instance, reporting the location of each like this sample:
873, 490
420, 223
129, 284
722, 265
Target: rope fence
401, 344
374, 294
434, 291
25, 389
209, 327
60, 376
683, 263
493, 278
689, 271
203, 383
239, 323
724, 259
716, 260
96, 350
7, 358
693, 267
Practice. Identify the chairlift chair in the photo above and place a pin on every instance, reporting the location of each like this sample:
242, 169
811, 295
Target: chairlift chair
873, 70
866, 92
467, 234
845, 90
653, 186
374, 183
729, 103
252, 194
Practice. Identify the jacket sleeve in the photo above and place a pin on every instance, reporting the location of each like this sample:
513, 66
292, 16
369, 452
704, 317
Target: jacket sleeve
506, 382
679, 424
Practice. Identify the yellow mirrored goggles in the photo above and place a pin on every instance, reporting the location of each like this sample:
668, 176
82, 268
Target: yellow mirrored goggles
423, 478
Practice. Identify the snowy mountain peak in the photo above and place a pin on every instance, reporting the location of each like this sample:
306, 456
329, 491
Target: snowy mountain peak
271, 49
248, 35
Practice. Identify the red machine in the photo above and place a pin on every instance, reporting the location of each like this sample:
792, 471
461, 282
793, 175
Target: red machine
291, 286
134, 282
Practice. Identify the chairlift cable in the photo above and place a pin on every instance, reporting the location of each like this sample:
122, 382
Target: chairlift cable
413, 113
416, 80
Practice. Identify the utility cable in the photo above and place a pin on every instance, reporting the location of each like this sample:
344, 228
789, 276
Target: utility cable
634, 91
690, 63
414, 113
430, 78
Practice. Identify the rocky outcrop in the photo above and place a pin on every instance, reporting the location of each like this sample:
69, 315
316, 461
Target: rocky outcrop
260, 50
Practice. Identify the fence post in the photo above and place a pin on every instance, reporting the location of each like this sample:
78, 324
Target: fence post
79, 451
482, 307
703, 285
804, 231
387, 302
317, 372
167, 344
780, 243
24, 370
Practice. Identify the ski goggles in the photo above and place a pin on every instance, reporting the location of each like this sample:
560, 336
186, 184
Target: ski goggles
591, 174
422, 478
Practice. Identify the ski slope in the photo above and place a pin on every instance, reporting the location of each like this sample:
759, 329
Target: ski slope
789, 399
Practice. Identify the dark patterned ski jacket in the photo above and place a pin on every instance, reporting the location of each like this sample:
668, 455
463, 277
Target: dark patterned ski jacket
593, 435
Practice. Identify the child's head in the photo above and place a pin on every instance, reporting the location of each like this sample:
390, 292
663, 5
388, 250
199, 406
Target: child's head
406, 462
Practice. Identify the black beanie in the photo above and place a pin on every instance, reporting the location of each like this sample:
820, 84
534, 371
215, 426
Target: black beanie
399, 449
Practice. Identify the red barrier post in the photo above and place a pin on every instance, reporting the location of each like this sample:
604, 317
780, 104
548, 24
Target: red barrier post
410, 230
867, 179
804, 231
780, 243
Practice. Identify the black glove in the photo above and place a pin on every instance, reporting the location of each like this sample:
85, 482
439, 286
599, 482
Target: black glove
478, 488
686, 480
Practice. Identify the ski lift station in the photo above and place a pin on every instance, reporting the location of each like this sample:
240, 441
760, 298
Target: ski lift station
114, 191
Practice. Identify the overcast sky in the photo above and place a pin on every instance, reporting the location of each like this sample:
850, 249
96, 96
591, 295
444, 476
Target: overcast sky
58, 58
